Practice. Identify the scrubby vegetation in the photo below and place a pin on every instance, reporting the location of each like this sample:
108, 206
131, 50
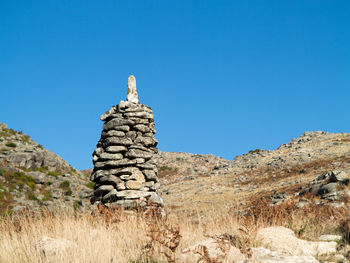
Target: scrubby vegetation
115, 236
11, 144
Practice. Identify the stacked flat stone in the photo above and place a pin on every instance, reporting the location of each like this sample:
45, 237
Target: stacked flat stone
125, 173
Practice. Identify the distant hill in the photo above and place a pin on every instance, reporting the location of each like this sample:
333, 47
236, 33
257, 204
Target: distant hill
316, 163
196, 182
33, 177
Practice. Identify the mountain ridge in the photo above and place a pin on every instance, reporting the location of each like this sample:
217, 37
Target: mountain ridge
34, 177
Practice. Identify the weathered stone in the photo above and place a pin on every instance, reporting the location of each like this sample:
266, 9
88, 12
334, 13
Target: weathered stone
214, 251
148, 134
142, 128
111, 196
149, 184
124, 154
112, 133
39, 177
150, 175
139, 120
147, 166
281, 239
146, 141
127, 204
123, 128
97, 174
133, 185
116, 149
132, 95
111, 156
154, 187
115, 163
124, 141
328, 188
103, 189
114, 123
142, 114
140, 160
263, 255
132, 194
131, 134
140, 147
339, 176
105, 115
155, 198
138, 107
120, 186
135, 153
98, 151
330, 238
132, 173
110, 179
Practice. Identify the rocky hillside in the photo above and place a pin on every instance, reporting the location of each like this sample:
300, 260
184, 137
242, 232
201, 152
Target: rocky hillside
33, 177
313, 168
306, 168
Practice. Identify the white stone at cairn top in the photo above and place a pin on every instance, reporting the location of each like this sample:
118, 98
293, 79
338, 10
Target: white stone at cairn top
132, 91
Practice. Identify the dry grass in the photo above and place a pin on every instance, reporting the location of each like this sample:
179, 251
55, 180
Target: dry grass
123, 237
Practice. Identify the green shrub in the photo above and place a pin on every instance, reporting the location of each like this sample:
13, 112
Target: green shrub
69, 192
76, 205
90, 185
40, 146
11, 144
52, 173
32, 196
4, 149
20, 179
65, 184
11, 131
165, 168
42, 169
255, 151
47, 196
32, 185
25, 138
1, 172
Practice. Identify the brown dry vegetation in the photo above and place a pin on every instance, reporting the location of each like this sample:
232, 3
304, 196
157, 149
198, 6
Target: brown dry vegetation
117, 236
224, 192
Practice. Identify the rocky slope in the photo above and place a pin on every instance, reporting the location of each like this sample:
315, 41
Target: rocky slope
33, 177
200, 182
314, 167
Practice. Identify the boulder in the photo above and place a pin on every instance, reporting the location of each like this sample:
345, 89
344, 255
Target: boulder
339, 176
283, 240
212, 250
263, 255
39, 177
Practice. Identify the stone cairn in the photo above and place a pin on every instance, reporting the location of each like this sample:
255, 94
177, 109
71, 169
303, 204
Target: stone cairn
125, 173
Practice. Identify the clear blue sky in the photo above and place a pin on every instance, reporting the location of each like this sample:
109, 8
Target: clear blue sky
222, 77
